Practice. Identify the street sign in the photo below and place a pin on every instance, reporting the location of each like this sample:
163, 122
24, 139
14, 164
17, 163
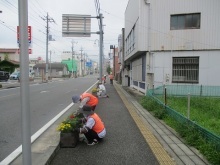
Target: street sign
89, 64
29, 34
74, 25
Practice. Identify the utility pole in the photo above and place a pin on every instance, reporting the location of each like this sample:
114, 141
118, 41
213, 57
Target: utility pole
47, 19
50, 64
85, 60
80, 71
100, 47
72, 56
24, 81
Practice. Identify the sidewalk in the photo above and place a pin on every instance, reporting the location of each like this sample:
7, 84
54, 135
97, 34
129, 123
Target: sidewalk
134, 136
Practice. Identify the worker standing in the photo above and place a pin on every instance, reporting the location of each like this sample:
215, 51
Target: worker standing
111, 77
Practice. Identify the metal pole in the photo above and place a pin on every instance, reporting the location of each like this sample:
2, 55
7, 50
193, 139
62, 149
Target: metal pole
81, 62
100, 48
50, 65
165, 96
72, 58
47, 32
24, 87
114, 61
188, 112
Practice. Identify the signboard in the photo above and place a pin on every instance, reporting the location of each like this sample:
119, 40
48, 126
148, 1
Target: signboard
29, 51
76, 25
89, 64
29, 34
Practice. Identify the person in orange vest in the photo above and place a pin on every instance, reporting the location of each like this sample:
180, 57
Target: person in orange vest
111, 77
94, 129
86, 98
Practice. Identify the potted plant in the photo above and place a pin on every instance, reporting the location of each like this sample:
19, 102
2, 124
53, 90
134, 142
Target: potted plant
69, 136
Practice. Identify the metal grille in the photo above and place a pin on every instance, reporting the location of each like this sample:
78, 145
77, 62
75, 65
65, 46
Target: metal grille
185, 70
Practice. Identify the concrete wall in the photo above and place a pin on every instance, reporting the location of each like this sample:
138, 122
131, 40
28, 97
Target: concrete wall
208, 66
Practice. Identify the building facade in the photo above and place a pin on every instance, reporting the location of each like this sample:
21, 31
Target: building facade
171, 42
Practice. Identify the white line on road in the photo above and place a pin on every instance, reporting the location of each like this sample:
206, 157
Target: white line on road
18, 151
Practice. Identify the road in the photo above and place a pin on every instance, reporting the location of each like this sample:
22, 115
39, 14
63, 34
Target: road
46, 101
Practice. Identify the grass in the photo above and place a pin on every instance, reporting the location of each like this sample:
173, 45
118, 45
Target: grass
203, 110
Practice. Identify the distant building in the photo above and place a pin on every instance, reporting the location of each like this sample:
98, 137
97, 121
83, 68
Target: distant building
10, 54
54, 70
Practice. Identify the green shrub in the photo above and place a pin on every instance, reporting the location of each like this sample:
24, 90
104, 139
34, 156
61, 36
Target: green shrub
191, 136
151, 105
0, 85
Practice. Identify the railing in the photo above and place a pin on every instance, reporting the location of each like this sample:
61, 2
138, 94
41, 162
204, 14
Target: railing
181, 91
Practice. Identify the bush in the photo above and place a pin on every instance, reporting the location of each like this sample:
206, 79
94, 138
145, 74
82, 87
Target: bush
0, 85
151, 105
191, 135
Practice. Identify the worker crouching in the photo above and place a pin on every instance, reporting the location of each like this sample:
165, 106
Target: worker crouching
93, 129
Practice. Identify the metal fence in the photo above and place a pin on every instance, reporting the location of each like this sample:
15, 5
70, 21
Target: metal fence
184, 90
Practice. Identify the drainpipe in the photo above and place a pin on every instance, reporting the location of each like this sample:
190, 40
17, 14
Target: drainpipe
149, 78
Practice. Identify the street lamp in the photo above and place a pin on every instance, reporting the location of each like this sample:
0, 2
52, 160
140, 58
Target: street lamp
113, 47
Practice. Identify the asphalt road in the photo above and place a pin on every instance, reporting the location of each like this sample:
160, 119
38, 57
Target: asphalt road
46, 101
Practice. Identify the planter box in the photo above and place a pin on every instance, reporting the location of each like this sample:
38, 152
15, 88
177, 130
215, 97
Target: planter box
69, 140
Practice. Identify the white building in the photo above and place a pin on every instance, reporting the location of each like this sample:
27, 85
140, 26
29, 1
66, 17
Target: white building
170, 42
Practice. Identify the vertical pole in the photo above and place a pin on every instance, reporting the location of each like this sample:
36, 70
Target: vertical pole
165, 96
188, 112
24, 90
100, 48
114, 61
47, 32
50, 65
72, 58
81, 63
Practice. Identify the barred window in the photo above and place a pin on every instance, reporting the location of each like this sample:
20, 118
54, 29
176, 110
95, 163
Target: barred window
185, 70
185, 21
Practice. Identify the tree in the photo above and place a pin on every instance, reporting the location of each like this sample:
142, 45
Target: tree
6, 56
108, 70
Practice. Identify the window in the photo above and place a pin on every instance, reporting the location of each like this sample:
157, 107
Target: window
130, 41
185, 21
185, 70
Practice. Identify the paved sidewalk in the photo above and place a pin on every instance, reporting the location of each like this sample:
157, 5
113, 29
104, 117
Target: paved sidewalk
134, 136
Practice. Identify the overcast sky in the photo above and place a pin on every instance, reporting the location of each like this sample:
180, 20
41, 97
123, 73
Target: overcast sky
113, 13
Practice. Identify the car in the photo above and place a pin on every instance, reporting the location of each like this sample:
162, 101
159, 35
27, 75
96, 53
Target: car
15, 76
4, 75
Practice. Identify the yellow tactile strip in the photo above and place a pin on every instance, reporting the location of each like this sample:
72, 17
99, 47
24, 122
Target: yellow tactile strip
158, 150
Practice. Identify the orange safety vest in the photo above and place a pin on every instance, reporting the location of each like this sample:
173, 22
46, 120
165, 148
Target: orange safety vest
92, 101
99, 126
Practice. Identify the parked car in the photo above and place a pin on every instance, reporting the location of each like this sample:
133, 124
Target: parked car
15, 76
4, 75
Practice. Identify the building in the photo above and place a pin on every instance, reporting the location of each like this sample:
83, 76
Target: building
171, 42
55, 70
33, 62
114, 61
10, 54
71, 66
